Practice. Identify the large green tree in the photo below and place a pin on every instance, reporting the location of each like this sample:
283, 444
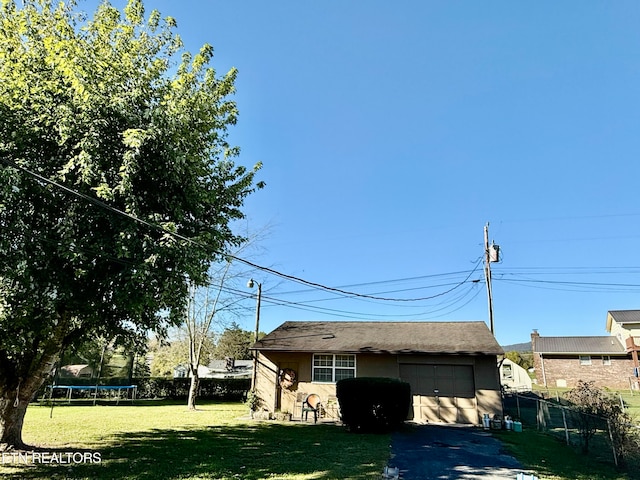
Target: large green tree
235, 343
97, 117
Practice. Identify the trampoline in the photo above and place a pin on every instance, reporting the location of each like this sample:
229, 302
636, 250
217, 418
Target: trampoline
94, 389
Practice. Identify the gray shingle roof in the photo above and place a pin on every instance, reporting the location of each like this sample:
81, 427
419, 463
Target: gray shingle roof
579, 345
382, 337
625, 316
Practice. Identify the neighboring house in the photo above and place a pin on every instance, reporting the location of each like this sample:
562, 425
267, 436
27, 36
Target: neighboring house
451, 366
625, 326
609, 361
228, 368
76, 371
513, 377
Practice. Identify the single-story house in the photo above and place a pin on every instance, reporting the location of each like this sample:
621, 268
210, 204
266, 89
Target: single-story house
228, 368
451, 366
513, 377
76, 371
562, 361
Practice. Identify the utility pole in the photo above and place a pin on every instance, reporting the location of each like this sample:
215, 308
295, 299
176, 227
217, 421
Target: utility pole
251, 284
491, 254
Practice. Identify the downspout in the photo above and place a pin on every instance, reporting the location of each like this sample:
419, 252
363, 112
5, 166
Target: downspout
544, 376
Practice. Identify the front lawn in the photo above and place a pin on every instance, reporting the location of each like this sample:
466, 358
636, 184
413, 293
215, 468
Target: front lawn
165, 441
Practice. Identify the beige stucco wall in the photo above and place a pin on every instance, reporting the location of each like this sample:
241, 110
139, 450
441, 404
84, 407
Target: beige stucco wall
487, 380
488, 386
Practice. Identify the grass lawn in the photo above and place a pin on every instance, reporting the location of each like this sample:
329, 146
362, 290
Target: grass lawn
166, 441
630, 398
552, 459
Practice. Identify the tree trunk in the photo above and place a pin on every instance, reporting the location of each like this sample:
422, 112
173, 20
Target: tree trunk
12, 411
16, 392
193, 389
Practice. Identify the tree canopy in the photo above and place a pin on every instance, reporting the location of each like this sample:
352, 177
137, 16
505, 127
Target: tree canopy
235, 343
118, 186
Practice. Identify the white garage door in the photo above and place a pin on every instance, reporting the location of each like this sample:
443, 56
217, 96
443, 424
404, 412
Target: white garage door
442, 393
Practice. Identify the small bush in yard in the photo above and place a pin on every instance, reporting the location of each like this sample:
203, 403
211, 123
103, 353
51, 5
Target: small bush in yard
372, 403
594, 409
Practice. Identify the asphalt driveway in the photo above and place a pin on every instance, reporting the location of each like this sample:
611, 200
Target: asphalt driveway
445, 452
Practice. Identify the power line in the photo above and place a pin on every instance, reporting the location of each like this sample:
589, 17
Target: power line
381, 282
271, 271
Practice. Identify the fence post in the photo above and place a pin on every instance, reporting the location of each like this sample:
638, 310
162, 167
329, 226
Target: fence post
613, 446
564, 421
518, 406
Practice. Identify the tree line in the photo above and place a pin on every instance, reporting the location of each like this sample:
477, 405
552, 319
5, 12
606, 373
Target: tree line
158, 357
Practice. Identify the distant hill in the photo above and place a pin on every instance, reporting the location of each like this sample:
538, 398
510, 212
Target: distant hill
517, 347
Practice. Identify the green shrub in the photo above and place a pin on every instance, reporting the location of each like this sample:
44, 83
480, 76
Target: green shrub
373, 403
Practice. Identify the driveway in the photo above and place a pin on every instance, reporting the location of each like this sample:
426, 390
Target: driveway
445, 452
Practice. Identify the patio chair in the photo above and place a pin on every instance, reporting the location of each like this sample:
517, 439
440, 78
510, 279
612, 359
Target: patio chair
332, 407
299, 403
311, 404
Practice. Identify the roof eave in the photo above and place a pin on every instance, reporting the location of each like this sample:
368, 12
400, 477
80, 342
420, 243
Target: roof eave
583, 353
381, 351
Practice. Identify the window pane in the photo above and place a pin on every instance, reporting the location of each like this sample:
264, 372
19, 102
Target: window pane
323, 360
344, 373
322, 375
345, 361
585, 360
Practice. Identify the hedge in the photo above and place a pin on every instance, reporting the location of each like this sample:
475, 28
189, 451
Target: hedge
373, 403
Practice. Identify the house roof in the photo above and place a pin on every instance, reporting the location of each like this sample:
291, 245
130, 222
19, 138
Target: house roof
625, 316
622, 317
382, 337
221, 365
606, 345
75, 369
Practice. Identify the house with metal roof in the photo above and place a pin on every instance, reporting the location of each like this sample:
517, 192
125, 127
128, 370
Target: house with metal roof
451, 366
609, 361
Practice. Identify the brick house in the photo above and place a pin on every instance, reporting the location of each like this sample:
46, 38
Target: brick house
609, 361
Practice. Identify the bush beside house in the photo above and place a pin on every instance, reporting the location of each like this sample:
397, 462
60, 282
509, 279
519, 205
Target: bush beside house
373, 403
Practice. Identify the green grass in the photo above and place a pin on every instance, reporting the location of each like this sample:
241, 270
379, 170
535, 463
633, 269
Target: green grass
552, 459
165, 441
630, 398
160, 440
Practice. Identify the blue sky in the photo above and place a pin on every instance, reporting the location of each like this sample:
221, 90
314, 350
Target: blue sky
392, 132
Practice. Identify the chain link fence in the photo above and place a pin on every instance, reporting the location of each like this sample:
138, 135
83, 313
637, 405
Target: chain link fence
556, 417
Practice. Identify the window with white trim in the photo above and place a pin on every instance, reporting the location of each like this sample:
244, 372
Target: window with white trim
585, 359
328, 368
606, 360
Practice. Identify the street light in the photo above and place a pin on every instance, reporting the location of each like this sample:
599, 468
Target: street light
251, 284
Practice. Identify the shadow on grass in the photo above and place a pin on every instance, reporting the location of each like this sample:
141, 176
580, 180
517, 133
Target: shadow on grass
251, 451
550, 456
